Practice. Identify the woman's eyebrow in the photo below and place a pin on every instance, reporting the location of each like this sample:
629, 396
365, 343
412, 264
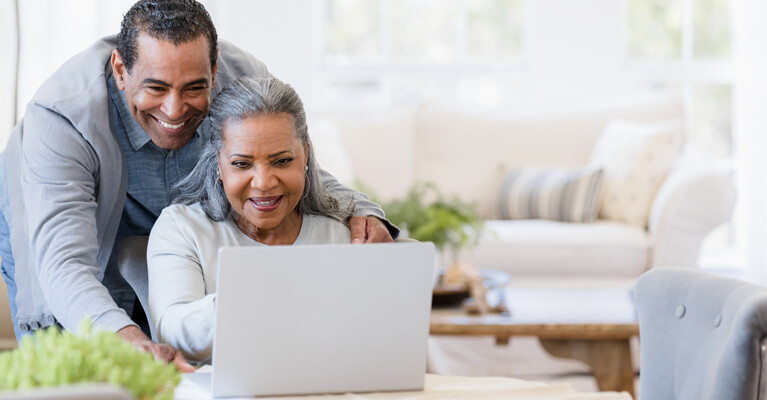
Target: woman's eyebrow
278, 153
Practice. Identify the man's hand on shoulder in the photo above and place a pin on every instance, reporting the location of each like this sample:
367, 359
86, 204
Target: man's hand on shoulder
160, 351
369, 230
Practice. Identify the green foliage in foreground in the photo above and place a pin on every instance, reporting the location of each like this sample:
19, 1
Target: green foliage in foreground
53, 358
429, 216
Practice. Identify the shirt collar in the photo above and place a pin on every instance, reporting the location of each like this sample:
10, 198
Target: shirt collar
137, 137
135, 133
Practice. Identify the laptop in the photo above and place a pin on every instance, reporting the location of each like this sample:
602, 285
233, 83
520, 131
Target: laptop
319, 319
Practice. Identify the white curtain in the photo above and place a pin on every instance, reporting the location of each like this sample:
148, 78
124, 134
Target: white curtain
7, 68
750, 38
52, 31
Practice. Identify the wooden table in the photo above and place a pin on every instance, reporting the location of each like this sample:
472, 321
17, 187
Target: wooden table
446, 387
593, 326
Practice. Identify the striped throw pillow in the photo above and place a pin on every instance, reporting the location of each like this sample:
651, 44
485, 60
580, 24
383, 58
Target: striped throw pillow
570, 195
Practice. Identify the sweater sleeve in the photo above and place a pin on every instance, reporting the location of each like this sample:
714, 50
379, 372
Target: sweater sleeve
364, 206
59, 170
184, 313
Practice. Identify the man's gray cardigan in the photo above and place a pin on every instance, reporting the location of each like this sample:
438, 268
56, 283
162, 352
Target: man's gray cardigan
66, 183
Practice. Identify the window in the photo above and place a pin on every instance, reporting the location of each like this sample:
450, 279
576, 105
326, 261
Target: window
685, 45
377, 53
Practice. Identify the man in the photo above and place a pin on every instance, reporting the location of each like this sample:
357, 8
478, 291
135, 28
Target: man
102, 143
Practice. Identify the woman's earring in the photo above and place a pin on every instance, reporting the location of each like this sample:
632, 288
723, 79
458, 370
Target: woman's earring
306, 168
215, 189
308, 183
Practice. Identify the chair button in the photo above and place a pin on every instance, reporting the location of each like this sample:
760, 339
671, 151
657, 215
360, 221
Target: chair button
718, 321
34, 325
680, 311
24, 327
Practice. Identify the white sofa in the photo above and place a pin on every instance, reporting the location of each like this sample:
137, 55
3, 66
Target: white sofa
468, 152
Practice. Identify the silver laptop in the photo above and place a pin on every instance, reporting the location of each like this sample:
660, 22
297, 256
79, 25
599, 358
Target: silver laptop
321, 319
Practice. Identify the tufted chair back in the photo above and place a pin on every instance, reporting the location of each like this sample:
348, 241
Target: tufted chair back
702, 337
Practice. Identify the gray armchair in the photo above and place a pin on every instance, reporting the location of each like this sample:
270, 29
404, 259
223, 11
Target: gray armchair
702, 337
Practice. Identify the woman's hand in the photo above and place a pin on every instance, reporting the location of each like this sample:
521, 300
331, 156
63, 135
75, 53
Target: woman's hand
163, 352
369, 230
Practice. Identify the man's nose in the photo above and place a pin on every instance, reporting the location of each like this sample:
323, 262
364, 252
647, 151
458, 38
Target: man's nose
173, 106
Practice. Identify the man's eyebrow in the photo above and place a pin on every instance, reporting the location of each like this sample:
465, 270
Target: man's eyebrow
150, 81
201, 81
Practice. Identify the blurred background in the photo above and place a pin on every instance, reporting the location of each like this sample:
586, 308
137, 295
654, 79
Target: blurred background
503, 54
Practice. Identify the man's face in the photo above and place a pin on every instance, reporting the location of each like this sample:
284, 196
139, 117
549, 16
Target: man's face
168, 89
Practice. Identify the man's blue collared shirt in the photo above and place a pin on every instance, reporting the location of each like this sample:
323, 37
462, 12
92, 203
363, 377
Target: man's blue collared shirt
152, 173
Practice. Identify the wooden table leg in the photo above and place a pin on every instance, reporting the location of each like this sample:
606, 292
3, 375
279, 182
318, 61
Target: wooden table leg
610, 360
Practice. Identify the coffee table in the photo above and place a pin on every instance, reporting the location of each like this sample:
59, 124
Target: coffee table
594, 326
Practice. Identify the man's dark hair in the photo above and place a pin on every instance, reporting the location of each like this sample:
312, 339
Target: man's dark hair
178, 21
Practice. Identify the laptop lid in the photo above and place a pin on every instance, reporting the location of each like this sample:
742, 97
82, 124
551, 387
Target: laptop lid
322, 319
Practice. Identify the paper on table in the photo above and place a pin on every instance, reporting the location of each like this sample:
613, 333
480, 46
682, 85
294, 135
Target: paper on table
438, 387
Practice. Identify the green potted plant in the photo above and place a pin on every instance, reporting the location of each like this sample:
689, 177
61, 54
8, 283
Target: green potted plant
53, 358
452, 225
427, 215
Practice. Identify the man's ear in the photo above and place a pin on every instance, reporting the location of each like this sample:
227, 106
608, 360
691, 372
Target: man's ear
118, 69
213, 82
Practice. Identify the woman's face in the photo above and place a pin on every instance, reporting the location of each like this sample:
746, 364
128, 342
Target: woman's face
262, 166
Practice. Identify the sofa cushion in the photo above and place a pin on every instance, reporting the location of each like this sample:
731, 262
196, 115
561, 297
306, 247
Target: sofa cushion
380, 145
330, 152
558, 194
539, 247
468, 152
636, 158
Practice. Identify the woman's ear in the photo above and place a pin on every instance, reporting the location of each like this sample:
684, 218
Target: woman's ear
218, 168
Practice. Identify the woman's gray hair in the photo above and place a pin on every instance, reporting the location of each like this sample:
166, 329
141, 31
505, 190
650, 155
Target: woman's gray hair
245, 98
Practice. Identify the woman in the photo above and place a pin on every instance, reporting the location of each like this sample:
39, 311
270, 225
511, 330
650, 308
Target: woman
256, 184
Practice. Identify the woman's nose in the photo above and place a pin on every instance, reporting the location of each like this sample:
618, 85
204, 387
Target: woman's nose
263, 179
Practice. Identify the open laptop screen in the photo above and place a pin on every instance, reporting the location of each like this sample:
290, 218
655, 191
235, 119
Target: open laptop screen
322, 319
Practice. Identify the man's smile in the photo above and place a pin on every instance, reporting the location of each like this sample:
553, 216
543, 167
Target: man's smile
171, 126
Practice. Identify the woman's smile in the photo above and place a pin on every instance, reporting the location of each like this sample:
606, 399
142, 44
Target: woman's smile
266, 204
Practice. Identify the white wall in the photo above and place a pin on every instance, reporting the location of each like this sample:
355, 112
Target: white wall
278, 32
751, 87
8, 49
570, 54
572, 46
575, 50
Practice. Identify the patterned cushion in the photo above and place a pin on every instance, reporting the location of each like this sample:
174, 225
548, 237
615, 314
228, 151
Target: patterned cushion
636, 158
570, 195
